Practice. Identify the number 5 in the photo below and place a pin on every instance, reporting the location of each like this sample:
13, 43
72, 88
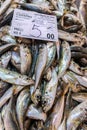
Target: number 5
35, 27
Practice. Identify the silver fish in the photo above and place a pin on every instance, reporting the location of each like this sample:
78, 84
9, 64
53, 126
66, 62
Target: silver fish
80, 97
36, 8
5, 35
9, 39
51, 53
74, 37
22, 106
81, 79
40, 65
14, 77
73, 82
16, 60
60, 9
75, 68
49, 92
55, 117
64, 59
5, 59
77, 115
26, 59
10, 121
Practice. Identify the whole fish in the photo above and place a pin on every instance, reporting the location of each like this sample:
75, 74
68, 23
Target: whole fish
40, 64
23, 101
10, 121
77, 116
64, 59
36, 8
14, 77
55, 117
36, 113
49, 92
26, 59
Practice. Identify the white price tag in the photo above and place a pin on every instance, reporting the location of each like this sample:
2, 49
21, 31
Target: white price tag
34, 25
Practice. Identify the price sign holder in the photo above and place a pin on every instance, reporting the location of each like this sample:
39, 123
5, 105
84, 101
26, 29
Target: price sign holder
34, 25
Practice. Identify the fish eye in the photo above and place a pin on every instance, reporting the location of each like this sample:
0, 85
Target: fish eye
19, 76
38, 96
27, 78
44, 102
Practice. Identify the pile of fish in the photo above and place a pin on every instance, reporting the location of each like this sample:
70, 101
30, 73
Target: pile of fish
43, 85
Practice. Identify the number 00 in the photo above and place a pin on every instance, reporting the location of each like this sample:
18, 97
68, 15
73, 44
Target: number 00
50, 36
